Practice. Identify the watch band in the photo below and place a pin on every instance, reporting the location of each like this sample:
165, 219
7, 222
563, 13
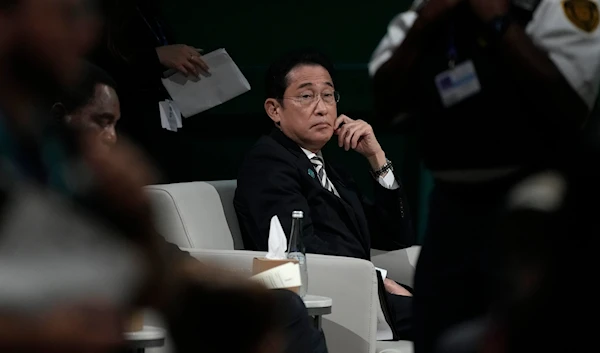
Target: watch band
388, 166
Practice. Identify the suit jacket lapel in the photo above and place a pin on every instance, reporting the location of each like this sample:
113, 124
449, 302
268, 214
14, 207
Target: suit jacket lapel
348, 198
352, 204
303, 163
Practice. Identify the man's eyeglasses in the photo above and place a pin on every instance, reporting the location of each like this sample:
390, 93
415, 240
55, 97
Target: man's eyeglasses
329, 97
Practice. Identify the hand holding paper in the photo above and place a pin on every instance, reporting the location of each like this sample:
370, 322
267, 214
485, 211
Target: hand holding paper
182, 58
194, 95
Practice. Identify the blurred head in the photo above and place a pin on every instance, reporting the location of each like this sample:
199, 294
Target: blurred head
301, 98
42, 42
91, 107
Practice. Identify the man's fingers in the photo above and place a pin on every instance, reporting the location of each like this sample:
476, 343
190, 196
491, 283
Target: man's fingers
343, 133
357, 136
194, 56
338, 121
348, 140
182, 69
191, 68
346, 118
342, 119
197, 60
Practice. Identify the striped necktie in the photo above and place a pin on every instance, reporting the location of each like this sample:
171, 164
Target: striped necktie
319, 165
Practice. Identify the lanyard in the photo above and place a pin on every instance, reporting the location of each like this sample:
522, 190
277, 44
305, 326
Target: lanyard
159, 32
452, 51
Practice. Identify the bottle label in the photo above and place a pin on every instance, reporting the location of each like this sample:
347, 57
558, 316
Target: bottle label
299, 257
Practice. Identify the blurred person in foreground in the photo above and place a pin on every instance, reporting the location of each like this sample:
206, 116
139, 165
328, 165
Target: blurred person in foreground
137, 47
548, 229
286, 171
91, 109
77, 249
499, 89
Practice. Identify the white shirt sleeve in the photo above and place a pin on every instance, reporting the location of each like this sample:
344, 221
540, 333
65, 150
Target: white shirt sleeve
395, 35
572, 43
389, 181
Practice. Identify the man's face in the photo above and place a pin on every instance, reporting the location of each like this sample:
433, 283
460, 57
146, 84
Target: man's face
47, 44
309, 109
98, 119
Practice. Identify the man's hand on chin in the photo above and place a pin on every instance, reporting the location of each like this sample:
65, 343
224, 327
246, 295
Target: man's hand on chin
394, 288
359, 136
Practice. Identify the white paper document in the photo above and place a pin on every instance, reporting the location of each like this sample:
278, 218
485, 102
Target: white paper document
177, 114
383, 272
384, 331
193, 95
284, 276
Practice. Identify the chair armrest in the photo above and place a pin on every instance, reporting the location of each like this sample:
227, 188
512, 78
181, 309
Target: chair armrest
400, 264
351, 283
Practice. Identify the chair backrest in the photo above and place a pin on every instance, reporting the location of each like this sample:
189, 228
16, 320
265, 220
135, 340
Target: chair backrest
197, 215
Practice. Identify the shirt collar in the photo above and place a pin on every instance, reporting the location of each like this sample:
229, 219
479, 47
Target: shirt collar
310, 154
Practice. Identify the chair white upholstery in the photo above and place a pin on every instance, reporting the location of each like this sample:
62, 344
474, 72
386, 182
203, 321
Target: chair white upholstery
349, 327
400, 264
191, 215
200, 218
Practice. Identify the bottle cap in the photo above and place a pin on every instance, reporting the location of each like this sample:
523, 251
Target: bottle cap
297, 214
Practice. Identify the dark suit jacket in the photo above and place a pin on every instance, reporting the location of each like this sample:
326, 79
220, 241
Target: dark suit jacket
137, 71
277, 178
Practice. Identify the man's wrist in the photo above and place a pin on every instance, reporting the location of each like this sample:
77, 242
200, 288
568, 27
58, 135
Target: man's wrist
377, 161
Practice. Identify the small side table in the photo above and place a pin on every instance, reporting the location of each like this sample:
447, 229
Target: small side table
317, 307
149, 337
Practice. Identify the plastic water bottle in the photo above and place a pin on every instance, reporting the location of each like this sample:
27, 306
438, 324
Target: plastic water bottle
297, 251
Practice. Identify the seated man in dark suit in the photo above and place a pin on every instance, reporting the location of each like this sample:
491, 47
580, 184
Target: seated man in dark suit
286, 171
92, 111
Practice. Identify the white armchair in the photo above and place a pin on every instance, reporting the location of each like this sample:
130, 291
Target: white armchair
199, 217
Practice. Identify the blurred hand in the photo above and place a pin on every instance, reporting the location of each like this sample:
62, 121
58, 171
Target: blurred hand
435, 10
394, 288
119, 177
359, 136
90, 326
486, 10
85, 327
182, 58
121, 173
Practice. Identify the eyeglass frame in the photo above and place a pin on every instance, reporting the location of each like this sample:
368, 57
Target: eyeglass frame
317, 97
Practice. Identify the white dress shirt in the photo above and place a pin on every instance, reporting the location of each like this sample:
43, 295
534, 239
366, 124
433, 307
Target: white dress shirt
388, 181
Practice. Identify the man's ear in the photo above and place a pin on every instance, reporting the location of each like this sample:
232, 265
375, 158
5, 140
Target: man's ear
59, 112
273, 109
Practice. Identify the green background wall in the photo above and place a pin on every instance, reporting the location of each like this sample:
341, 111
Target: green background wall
212, 144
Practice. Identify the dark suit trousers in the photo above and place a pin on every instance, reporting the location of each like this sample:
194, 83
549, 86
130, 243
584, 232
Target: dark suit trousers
233, 326
457, 264
400, 309
300, 334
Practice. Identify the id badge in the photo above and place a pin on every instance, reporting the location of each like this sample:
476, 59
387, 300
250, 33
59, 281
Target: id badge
167, 118
176, 114
458, 83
